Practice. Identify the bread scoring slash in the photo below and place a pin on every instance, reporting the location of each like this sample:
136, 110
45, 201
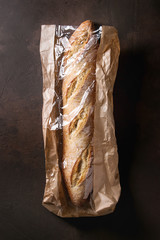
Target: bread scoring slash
78, 93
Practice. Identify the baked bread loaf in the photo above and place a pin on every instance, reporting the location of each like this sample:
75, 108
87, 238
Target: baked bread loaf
78, 93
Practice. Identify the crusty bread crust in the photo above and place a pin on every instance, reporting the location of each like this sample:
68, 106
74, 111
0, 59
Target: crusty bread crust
78, 93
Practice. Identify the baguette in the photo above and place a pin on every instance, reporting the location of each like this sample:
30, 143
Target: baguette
78, 92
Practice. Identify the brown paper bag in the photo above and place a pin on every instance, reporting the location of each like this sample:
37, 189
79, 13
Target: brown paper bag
106, 186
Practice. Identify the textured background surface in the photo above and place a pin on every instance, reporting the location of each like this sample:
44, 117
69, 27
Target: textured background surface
137, 119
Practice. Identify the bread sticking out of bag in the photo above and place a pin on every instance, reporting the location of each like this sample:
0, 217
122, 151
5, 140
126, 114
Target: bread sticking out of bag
78, 92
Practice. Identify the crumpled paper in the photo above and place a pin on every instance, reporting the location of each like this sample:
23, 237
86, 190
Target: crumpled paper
106, 185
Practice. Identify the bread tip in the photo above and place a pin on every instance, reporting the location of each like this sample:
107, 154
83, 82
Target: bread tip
87, 23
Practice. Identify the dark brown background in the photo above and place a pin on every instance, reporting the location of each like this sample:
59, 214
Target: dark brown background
137, 119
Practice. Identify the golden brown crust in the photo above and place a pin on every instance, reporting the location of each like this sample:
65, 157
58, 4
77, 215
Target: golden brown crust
81, 167
79, 39
78, 93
